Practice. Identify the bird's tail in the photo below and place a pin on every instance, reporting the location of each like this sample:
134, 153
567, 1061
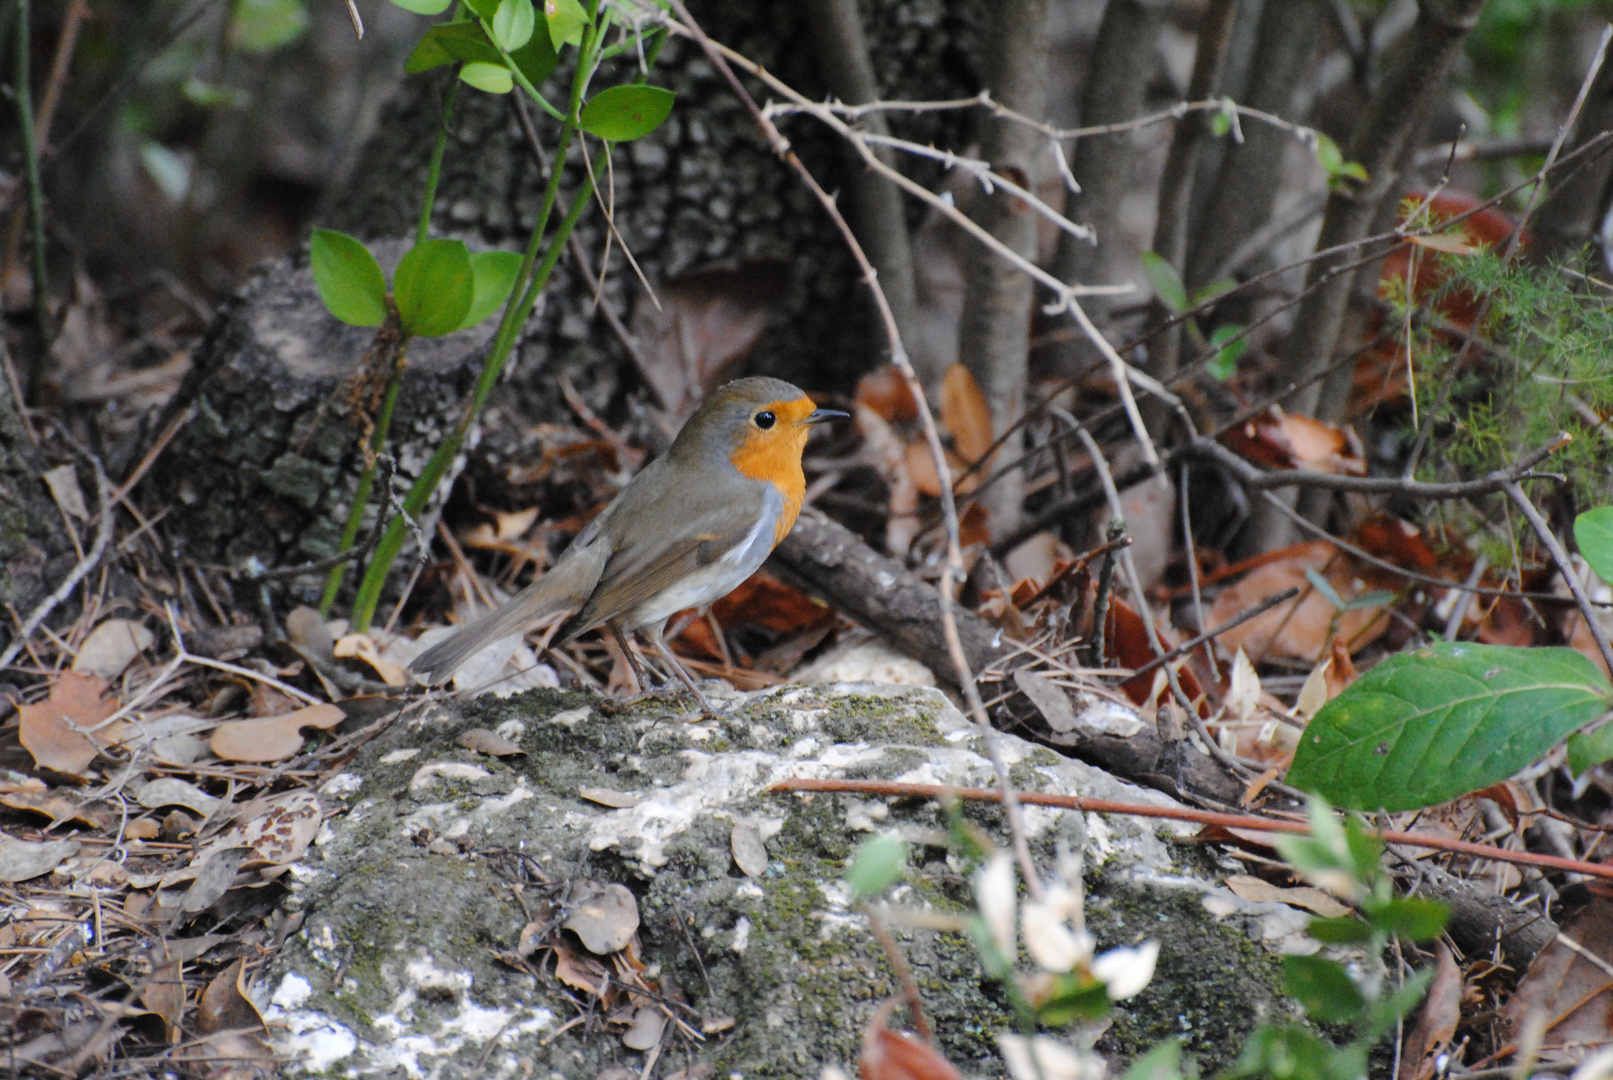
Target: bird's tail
566, 586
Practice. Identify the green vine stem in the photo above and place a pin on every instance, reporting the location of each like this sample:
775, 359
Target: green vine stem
534, 275
399, 358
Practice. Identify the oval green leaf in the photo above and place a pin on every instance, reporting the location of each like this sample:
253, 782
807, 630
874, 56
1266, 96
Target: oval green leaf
513, 23
423, 7
1166, 282
565, 18
494, 273
1410, 917
433, 287
1593, 533
491, 78
1445, 720
536, 59
348, 278
626, 112
447, 42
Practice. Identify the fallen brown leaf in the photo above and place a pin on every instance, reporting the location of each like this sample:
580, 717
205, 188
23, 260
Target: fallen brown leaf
274, 737
47, 729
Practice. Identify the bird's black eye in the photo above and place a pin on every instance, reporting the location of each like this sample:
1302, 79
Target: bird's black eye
765, 419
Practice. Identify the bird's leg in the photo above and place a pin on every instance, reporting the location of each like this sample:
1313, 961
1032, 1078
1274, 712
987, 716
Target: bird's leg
641, 681
654, 634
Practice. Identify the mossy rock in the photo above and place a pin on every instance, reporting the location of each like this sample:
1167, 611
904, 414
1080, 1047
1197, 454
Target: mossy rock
395, 969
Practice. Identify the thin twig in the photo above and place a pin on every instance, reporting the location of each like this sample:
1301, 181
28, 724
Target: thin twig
1210, 635
1559, 555
892, 789
952, 572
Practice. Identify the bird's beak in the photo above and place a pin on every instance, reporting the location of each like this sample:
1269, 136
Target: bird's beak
823, 416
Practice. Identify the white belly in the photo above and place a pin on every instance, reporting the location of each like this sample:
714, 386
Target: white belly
714, 581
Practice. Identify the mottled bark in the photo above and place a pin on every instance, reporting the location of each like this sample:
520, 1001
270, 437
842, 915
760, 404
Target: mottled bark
1246, 188
994, 336
1391, 117
35, 553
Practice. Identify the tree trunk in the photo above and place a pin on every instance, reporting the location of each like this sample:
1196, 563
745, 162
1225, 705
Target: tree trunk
994, 338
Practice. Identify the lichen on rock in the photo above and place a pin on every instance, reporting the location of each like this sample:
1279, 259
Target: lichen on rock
439, 861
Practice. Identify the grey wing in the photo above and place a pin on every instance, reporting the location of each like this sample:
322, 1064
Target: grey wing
642, 566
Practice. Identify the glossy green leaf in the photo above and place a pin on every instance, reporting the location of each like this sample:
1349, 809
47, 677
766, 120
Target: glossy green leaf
1411, 918
424, 7
490, 78
1593, 534
626, 112
448, 42
512, 24
494, 273
1445, 720
1167, 283
1323, 988
433, 287
483, 9
348, 278
565, 19
876, 865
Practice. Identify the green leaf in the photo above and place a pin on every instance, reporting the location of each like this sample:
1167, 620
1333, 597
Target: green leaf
433, 287
1220, 124
1074, 997
1167, 283
1590, 748
494, 273
1323, 988
258, 26
1329, 154
536, 59
1424, 727
423, 7
1411, 918
566, 18
876, 865
1325, 587
1593, 534
1163, 1062
447, 42
348, 278
512, 24
626, 112
1282, 1053
491, 78
1345, 930
1224, 364
484, 9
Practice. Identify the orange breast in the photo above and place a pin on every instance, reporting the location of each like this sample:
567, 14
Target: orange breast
775, 456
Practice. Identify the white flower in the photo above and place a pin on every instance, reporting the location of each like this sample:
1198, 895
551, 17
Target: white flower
1124, 971
994, 892
1049, 937
1056, 1060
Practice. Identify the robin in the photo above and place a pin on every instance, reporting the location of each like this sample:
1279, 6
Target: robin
686, 531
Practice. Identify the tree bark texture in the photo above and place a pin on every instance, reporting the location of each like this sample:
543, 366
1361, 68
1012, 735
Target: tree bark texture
1124, 58
702, 195
994, 335
35, 553
267, 467
1245, 189
1391, 117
